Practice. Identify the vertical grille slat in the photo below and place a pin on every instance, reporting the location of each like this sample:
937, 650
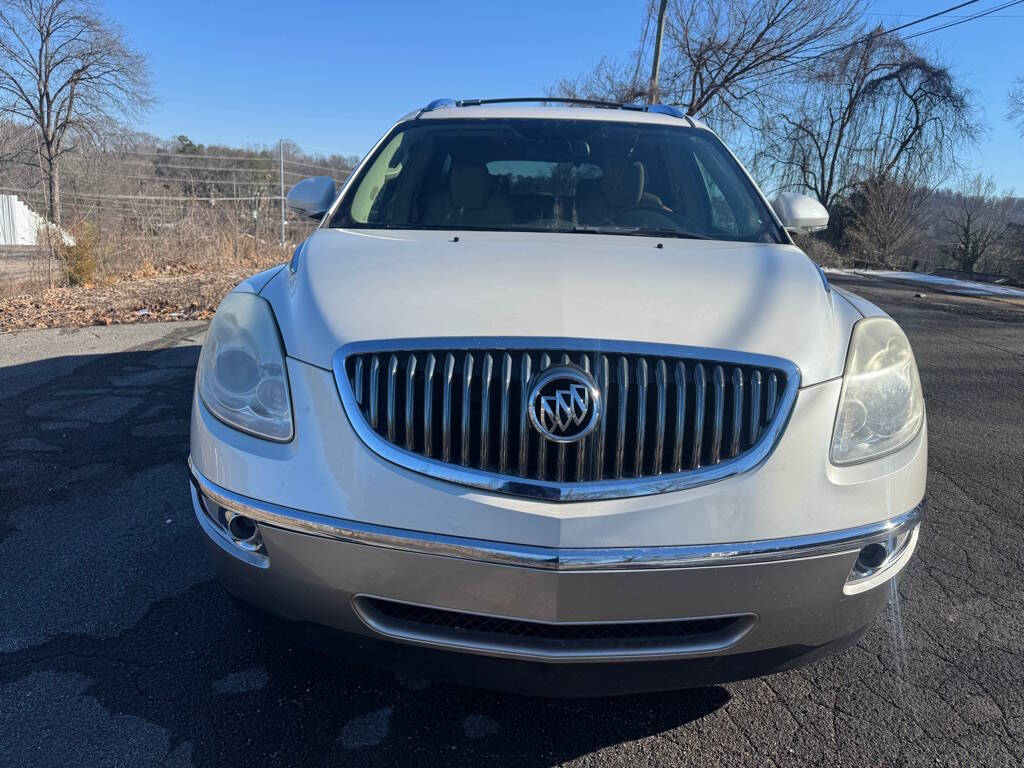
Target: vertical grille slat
660, 414
641, 417
737, 411
525, 374
392, 394
560, 465
718, 412
661, 380
584, 447
603, 384
542, 444
485, 410
359, 382
467, 409
755, 406
374, 391
622, 379
428, 405
410, 402
679, 435
699, 395
446, 407
506, 383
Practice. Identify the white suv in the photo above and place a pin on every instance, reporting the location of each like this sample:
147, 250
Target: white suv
550, 401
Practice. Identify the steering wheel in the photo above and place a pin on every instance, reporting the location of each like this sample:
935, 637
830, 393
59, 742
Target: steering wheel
645, 216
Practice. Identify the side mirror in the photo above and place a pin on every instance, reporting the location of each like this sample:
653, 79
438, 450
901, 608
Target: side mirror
800, 214
312, 197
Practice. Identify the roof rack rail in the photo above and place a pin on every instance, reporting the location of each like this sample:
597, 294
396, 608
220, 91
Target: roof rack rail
658, 109
666, 109
550, 100
438, 104
661, 109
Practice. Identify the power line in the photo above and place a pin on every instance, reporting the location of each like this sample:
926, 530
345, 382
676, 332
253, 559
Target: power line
929, 17
792, 66
268, 172
911, 15
239, 169
223, 157
979, 15
91, 196
178, 179
115, 204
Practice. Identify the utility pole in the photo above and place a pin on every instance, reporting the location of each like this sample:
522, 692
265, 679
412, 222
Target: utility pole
652, 91
281, 147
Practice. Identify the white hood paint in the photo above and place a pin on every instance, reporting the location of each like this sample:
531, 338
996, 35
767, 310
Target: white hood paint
749, 297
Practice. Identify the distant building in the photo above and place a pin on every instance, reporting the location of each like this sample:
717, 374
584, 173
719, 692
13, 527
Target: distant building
20, 225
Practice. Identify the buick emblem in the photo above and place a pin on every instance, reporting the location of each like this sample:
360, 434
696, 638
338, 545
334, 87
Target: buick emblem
564, 404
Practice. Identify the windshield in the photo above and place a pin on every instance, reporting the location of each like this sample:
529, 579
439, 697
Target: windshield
524, 174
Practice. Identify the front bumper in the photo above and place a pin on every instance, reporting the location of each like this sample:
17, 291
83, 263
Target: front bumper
786, 599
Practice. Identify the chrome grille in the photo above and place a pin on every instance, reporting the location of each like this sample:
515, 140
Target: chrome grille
457, 409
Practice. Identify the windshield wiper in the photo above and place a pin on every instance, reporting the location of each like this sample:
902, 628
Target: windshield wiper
641, 231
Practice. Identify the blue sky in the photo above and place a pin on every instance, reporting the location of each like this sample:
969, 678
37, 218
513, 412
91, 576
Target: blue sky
334, 76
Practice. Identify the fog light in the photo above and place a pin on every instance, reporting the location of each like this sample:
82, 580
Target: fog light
236, 533
880, 561
243, 530
871, 557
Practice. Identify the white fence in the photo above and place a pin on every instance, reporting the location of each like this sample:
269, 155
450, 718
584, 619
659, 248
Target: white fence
20, 225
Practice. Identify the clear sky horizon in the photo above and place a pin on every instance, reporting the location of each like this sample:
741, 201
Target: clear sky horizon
334, 76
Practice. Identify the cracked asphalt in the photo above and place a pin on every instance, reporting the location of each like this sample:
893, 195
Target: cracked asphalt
119, 648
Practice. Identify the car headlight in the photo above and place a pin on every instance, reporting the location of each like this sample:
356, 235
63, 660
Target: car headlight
242, 378
881, 407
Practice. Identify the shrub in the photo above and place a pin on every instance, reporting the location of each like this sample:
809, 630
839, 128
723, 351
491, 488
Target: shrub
821, 252
80, 258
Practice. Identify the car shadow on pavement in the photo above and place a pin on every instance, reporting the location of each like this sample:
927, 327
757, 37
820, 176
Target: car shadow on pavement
118, 646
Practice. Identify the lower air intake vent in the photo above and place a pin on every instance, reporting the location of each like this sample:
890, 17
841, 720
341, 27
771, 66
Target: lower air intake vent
457, 628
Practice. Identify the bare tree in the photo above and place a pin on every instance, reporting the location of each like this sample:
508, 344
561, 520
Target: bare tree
889, 213
608, 81
67, 71
1015, 104
979, 220
719, 55
874, 109
8, 145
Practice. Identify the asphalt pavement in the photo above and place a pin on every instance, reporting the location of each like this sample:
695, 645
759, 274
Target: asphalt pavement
119, 648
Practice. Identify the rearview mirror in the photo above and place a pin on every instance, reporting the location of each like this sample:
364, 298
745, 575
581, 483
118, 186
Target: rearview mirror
312, 197
800, 214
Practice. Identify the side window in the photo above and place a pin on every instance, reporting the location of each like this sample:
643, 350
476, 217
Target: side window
722, 216
385, 169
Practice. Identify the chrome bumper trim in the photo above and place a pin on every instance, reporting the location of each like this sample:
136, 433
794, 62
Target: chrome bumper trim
551, 558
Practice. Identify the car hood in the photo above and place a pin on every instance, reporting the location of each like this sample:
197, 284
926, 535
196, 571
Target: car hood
765, 299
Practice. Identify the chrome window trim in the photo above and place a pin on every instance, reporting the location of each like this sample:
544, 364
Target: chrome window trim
554, 558
567, 491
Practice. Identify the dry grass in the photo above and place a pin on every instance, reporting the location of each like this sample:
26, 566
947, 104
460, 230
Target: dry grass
177, 292
138, 265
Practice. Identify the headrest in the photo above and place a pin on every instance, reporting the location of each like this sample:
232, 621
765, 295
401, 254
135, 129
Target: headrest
622, 187
469, 186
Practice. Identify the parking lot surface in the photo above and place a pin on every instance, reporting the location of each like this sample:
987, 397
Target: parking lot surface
119, 648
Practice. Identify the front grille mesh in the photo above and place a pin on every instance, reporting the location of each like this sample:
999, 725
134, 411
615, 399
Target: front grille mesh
660, 415
396, 614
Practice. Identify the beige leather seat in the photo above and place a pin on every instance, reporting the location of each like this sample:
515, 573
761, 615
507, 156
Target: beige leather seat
470, 199
598, 201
